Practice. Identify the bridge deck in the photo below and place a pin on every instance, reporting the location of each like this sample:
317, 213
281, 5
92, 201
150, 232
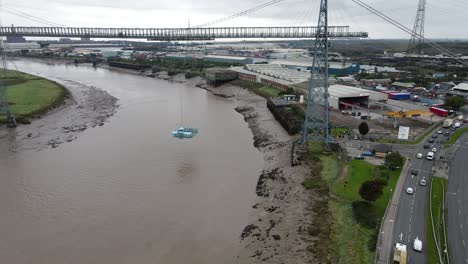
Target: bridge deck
180, 33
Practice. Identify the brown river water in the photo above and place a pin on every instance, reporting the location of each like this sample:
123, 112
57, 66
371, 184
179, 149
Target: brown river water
127, 192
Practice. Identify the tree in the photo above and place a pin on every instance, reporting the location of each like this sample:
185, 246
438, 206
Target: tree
454, 102
363, 128
394, 160
372, 190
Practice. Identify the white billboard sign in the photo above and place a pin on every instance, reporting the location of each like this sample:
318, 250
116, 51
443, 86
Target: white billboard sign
403, 133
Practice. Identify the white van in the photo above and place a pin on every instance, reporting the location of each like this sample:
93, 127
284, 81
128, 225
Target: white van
430, 155
417, 245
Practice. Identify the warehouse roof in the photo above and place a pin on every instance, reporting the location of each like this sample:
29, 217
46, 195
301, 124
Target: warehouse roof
308, 63
461, 87
277, 71
403, 84
226, 57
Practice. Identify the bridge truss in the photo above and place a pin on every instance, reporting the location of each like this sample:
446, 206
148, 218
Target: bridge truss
181, 34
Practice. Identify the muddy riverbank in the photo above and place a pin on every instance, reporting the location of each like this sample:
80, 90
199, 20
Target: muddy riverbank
277, 230
84, 107
281, 214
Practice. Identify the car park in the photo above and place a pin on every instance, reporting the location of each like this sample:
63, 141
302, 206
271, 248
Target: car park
419, 156
409, 190
430, 155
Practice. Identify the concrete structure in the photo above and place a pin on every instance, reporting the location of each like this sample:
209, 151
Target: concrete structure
228, 59
218, 76
278, 80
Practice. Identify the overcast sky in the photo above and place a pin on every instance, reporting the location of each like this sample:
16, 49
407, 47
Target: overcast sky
444, 18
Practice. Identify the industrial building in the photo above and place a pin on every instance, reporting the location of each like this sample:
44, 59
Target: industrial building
22, 46
342, 96
335, 68
271, 74
228, 59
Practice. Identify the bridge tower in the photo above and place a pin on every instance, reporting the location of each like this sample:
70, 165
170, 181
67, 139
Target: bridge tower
316, 126
417, 36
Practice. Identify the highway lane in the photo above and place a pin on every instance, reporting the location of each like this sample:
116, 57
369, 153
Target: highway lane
457, 204
410, 222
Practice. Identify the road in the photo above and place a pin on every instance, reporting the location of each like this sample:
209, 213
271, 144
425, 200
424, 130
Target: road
457, 203
410, 222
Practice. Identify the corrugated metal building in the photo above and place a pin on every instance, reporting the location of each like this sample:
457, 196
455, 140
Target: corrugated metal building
335, 68
228, 59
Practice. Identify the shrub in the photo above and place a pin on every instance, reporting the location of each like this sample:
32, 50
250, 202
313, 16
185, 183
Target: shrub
372, 190
362, 214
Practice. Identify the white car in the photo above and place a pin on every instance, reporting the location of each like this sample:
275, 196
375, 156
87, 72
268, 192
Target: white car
440, 132
430, 155
419, 156
417, 245
423, 182
409, 190
457, 124
434, 150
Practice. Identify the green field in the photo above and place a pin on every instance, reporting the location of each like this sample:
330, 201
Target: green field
30, 95
269, 91
437, 185
354, 240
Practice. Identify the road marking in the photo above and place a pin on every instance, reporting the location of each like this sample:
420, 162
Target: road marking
461, 226
401, 237
452, 193
464, 243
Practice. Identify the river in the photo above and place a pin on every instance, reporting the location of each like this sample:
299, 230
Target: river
127, 192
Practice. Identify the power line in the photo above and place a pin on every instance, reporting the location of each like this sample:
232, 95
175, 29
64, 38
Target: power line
409, 31
243, 13
29, 16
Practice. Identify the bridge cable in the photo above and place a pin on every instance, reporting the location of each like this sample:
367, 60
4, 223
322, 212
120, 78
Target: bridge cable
30, 17
409, 31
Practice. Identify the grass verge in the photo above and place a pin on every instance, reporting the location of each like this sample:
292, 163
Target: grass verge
455, 136
351, 241
436, 198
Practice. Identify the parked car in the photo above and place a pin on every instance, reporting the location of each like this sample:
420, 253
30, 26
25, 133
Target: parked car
367, 153
440, 132
359, 157
434, 136
430, 155
457, 125
434, 150
427, 146
414, 172
419, 156
409, 190
446, 134
430, 140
